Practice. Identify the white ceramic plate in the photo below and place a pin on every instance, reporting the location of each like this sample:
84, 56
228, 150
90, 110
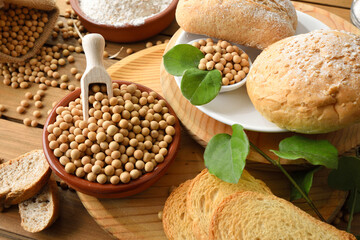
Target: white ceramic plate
235, 106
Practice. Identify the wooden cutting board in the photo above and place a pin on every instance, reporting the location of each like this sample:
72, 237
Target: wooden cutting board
137, 217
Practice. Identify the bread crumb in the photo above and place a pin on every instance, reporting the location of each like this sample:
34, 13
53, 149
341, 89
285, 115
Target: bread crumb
160, 215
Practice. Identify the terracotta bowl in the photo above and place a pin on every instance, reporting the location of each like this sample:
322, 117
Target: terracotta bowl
129, 33
109, 190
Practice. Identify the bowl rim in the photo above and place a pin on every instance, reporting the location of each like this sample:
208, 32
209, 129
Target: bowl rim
86, 186
76, 6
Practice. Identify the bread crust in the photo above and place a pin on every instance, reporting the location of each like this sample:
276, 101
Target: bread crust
308, 83
198, 232
211, 190
51, 190
247, 22
12, 197
248, 197
175, 205
54, 190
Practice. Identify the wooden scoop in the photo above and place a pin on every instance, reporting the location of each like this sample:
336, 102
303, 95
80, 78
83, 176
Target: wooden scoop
93, 45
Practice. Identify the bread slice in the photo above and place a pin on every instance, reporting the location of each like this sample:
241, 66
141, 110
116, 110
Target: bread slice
176, 222
40, 211
23, 177
206, 191
254, 215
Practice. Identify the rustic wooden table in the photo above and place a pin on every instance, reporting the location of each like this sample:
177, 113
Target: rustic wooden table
15, 139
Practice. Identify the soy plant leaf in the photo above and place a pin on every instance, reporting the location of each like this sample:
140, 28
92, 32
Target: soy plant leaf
225, 155
316, 152
182, 57
351, 198
200, 87
305, 180
347, 176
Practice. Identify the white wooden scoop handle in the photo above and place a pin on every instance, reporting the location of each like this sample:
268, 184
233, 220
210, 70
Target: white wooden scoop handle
93, 45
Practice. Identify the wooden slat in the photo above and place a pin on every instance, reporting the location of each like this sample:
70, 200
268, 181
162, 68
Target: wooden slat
17, 139
341, 12
11, 98
329, 18
334, 3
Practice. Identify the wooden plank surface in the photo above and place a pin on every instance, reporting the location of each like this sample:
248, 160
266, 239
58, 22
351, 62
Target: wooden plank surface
15, 139
341, 12
333, 3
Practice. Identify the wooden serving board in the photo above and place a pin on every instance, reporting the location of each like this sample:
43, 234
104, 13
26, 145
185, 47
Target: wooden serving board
137, 217
203, 128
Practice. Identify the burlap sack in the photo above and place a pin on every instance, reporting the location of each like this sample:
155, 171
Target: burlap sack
53, 12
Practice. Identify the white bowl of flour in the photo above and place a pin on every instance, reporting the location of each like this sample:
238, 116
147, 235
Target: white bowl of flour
125, 20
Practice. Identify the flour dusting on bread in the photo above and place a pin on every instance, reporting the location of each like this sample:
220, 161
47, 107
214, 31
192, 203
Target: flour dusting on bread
252, 23
309, 83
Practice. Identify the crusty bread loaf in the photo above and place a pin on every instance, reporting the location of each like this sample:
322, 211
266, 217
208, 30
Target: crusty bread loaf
23, 177
308, 83
40, 211
176, 221
248, 22
206, 191
253, 215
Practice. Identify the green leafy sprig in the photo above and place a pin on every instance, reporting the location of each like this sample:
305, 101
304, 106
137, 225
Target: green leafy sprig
316, 152
225, 157
305, 180
347, 178
198, 86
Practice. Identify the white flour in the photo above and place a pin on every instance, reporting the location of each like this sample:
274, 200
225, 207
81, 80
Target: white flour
122, 12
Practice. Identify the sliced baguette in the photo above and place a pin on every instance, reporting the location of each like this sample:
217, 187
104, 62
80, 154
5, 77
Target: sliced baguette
40, 211
254, 215
176, 222
23, 177
206, 191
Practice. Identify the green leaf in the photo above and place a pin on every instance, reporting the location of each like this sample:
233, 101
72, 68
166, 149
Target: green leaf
317, 152
225, 155
182, 57
347, 176
200, 87
350, 201
304, 179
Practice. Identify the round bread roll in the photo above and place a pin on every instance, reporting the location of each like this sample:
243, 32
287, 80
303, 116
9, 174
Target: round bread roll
248, 22
308, 83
